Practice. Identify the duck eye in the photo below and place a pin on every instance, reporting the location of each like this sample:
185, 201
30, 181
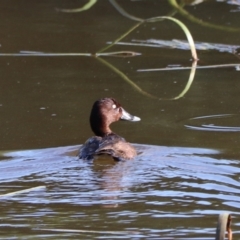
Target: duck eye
114, 106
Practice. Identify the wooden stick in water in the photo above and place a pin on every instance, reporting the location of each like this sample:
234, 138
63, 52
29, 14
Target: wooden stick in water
22, 191
223, 226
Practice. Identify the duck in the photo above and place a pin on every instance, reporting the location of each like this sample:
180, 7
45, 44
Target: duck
104, 112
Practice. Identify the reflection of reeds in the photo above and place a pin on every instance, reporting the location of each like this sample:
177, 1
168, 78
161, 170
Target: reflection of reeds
236, 65
177, 8
102, 53
137, 88
154, 19
127, 79
190, 80
140, 22
134, 85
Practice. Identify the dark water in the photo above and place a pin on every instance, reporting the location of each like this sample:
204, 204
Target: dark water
187, 171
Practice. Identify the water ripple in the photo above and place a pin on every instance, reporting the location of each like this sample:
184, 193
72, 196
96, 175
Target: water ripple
217, 123
162, 184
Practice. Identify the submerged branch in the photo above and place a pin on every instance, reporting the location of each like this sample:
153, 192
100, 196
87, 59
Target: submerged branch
122, 54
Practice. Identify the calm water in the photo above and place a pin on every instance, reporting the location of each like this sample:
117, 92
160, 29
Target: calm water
187, 171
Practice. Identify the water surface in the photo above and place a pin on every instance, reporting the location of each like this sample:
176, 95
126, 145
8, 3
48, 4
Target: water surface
156, 195
187, 171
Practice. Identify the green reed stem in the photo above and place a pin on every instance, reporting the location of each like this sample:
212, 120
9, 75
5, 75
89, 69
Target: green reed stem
183, 12
120, 38
87, 6
185, 30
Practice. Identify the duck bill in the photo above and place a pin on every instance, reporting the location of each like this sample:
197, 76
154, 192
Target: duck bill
127, 116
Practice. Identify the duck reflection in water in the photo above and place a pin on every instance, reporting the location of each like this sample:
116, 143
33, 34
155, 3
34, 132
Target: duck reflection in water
105, 142
107, 145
